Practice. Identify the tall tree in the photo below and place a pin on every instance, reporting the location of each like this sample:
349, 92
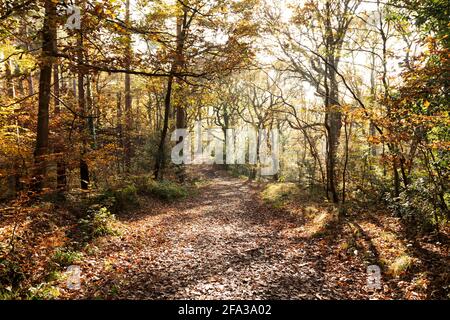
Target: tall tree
128, 96
46, 63
84, 168
312, 49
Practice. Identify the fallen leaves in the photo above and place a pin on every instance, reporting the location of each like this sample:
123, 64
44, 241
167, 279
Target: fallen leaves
227, 243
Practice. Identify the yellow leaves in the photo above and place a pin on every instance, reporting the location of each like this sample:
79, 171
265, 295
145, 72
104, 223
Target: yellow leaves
22, 59
119, 29
352, 113
344, 109
223, 9
426, 104
359, 114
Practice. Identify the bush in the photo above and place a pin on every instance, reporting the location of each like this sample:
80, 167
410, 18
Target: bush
43, 291
401, 265
125, 197
64, 257
99, 222
243, 171
105, 199
9, 294
116, 200
416, 205
278, 193
167, 190
11, 273
164, 190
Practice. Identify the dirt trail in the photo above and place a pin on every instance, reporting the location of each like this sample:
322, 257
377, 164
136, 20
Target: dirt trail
223, 243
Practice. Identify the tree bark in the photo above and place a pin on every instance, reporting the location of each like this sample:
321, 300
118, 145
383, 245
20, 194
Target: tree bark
128, 96
119, 129
84, 168
13, 177
333, 118
48, 51
160, 156
180, 121
61, 177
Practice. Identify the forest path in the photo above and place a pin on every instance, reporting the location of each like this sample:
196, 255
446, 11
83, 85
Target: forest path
223, 243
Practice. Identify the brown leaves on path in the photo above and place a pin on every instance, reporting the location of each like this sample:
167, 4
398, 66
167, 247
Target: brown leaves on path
223, 243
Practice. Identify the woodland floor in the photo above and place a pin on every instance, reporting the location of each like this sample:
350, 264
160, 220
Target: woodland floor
224, 242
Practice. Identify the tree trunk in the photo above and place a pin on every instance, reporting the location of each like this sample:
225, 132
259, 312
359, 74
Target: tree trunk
333, 118
84, 169
333, 126
128, 96
119, 129
181, 124
13, 174
334, 131
180, 121
61, 178
160, 156
91, 112
48, 50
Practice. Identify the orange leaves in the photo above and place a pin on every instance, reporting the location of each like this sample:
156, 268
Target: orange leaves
104, 156
374, 139
440, 145
352, 113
